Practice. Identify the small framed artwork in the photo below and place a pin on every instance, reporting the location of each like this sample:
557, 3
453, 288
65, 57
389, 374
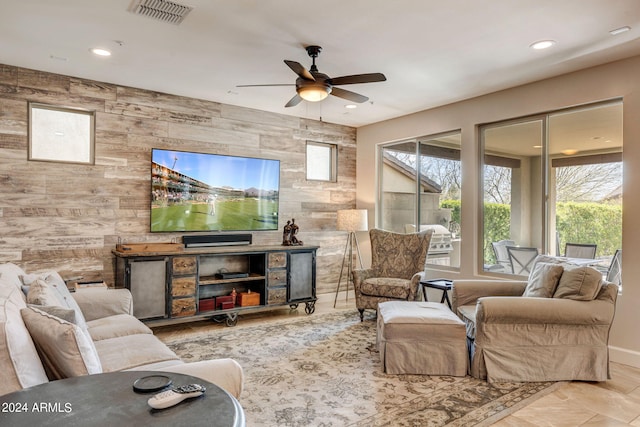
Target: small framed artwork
61, 134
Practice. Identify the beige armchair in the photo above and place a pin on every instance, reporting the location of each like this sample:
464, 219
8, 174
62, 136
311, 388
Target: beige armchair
397, 263
512, 337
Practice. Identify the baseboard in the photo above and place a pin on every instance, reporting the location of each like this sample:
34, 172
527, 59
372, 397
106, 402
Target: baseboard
624, 356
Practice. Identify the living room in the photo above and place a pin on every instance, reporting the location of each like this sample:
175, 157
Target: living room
69, 217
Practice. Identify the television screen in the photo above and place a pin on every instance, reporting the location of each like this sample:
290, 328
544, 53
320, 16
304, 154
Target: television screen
211, 192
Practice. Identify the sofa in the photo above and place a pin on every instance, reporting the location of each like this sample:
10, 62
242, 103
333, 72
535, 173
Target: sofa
49, 333
552, 327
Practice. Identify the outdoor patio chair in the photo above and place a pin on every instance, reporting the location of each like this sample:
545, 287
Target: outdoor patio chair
521, 259
580, 250
501, 254
614, 274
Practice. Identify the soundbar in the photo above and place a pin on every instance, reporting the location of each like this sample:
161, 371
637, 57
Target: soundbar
217, 240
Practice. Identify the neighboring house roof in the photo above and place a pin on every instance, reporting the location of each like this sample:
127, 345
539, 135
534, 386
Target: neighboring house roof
615, 195
429, 185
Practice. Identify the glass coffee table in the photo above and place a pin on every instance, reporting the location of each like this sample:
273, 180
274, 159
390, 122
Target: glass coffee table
110, 400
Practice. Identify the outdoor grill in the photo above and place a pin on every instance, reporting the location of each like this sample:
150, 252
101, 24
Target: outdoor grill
440, 246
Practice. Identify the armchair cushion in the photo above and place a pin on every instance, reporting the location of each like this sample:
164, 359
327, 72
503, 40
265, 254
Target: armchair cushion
543, 280
468, 315
386, 287
580, 284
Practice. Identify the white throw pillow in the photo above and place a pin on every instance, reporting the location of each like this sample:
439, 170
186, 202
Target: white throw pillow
49, 289
65, 349
543, 280
21, 365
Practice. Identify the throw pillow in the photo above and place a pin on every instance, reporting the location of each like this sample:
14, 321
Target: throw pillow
53, 291
543, 280
65, 349
63, 313
580, 283
19, 361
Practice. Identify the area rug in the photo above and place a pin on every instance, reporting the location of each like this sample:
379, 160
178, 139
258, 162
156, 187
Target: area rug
323, 370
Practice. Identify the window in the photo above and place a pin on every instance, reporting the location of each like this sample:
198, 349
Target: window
420, 183
322, 161
551, 180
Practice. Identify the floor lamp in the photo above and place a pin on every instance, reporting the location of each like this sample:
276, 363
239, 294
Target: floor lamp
350, 220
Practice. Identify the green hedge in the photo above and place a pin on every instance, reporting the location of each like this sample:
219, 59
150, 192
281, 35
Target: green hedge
590, 223
575, 222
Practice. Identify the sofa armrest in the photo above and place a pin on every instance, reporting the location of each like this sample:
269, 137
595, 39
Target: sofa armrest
101, 302
467, 292
529, 310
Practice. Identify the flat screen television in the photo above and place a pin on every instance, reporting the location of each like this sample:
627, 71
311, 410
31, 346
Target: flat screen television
212, 192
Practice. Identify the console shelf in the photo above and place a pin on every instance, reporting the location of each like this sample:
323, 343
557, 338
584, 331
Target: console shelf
212, 280
181, 285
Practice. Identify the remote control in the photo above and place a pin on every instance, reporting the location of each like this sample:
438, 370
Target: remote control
175, 395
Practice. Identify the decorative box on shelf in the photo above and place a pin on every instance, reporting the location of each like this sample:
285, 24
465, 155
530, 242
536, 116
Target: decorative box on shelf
246, 299
208, 304
225, 302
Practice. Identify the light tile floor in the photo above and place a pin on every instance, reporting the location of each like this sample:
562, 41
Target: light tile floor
612, 403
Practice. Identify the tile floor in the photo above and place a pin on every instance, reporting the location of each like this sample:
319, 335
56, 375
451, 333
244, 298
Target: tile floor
612, 403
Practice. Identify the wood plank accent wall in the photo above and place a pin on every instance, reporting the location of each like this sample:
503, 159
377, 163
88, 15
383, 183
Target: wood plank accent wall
69, 217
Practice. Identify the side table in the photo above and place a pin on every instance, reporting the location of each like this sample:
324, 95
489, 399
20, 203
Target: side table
109, 399
442, 284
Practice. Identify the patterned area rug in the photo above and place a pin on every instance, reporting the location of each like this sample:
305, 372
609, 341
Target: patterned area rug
323, 370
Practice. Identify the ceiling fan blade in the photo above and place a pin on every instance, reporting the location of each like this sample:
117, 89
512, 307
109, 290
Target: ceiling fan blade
294, 101
358, 78
299, 70
284, 84
348, 95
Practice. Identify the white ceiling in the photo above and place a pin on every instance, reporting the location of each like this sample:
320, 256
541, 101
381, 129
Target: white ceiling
433, 52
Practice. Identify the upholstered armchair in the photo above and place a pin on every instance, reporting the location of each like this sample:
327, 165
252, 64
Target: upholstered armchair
552, 327
397, 263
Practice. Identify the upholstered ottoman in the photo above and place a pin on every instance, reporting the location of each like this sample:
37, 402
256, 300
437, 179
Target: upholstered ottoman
421, 338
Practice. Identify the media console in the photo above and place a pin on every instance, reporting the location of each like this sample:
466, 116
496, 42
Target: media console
172, 284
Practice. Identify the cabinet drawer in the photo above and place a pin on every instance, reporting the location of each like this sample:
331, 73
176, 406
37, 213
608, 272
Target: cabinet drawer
277, 259
277, 277
184, 265
183, 307
183, 286
277, 295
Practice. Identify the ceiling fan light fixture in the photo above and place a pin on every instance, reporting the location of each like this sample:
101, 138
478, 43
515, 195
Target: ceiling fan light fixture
314, 93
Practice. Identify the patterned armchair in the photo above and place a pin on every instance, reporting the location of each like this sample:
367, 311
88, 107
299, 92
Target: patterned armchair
397, 261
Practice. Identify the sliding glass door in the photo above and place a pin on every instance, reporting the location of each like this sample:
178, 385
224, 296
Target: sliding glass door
420, 182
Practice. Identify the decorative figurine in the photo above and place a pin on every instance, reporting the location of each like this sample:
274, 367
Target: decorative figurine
289, 234
286, 234
294, 231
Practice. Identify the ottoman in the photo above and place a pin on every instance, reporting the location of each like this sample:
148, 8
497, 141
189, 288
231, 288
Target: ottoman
421, 338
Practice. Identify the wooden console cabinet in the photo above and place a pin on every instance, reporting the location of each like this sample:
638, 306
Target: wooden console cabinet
181, 284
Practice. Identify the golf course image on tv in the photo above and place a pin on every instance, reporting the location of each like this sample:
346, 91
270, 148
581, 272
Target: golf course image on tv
211, 192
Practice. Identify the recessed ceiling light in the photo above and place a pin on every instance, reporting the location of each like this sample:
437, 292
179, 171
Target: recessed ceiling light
351, 106
619, 30
100, 52
542, 44
569, 152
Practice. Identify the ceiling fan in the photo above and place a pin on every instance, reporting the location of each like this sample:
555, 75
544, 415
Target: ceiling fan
314, 86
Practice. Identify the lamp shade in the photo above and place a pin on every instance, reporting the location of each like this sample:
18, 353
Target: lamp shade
314, 93
352, 220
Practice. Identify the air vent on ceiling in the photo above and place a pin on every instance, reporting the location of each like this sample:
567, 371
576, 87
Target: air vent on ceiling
160, 10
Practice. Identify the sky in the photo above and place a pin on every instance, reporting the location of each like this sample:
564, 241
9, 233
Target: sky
223, 171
